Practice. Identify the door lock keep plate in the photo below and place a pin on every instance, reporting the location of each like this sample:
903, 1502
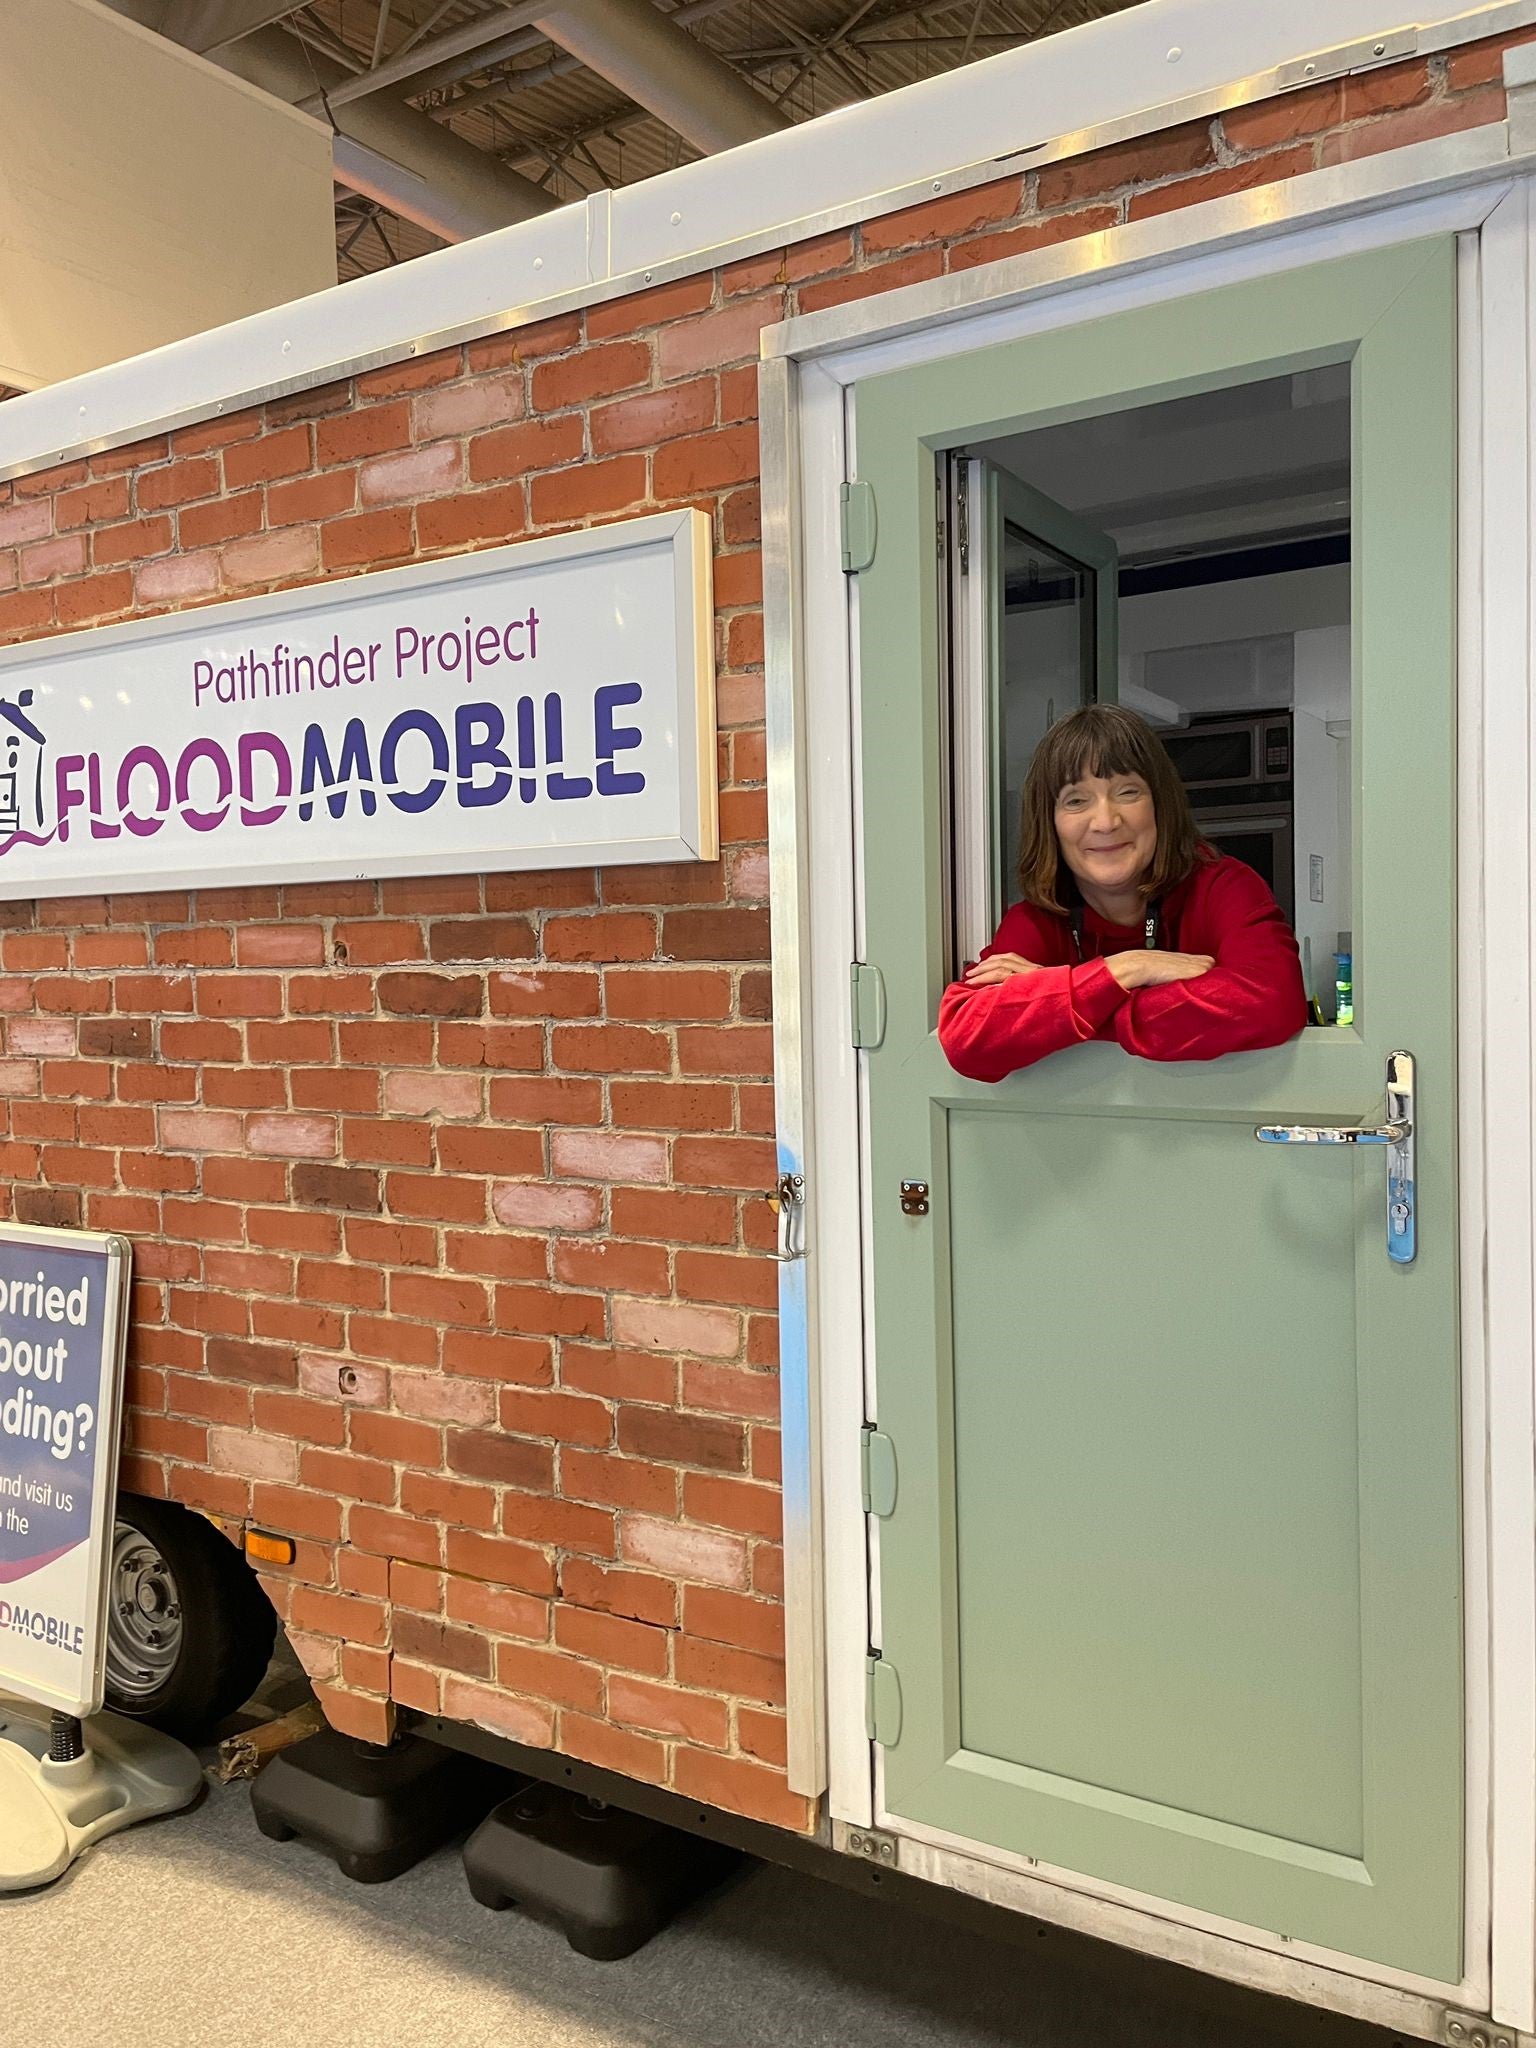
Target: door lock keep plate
870, 1846
914, 1198
1466, 2030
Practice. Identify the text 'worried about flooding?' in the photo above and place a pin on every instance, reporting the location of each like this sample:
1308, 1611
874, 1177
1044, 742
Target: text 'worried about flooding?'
42, 1360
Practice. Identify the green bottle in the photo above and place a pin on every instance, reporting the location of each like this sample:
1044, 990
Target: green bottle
1344, 988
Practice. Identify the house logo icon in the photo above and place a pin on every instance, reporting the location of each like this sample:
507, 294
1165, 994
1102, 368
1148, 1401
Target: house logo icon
22, 747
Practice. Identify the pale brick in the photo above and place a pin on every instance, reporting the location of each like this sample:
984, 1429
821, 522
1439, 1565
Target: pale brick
436, 1399
698, 1554
423, 473
292, 1137
174, 577
432, 1094
535, 1205
49, 558
606, 1155
41, 1034
200, 1130
749, 875
729, 336
320, 1655
30, 520
463, 408
677, 1326
257, 1457
271, 557
524, 1720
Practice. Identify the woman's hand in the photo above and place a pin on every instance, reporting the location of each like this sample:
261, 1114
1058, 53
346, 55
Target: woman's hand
1150, 968
998, 967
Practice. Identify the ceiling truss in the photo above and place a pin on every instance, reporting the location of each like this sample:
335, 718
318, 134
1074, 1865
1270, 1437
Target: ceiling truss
559, 98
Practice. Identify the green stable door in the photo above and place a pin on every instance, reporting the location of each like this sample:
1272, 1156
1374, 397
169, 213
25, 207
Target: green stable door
1169, 1589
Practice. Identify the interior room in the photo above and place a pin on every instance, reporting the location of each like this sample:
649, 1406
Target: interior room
1224, 519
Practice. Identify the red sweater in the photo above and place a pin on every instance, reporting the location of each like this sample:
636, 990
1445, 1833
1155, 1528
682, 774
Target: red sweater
1252, 997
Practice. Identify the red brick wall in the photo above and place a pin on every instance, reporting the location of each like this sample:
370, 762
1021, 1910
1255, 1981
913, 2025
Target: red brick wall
448, 1195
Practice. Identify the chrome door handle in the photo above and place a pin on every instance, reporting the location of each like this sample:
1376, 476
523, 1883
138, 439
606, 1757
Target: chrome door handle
1396, 1134
1333, 1134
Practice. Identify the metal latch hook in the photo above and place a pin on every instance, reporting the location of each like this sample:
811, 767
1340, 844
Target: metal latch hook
787, 1201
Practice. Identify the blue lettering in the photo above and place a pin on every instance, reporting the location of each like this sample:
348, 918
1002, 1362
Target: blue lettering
423, 722
315, 769
616, 739
561, 787
527, 750
478, 731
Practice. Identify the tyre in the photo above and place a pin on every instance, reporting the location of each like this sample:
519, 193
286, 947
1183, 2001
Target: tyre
189, 1630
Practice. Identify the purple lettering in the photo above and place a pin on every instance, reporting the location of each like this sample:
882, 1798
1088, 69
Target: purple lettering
252, 744
211, 752
100, 829
66, 797
143, 757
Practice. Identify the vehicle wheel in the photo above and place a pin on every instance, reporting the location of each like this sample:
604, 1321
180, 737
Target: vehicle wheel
189, 1630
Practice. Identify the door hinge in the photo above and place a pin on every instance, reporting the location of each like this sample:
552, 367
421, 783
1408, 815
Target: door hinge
882, 1702
963, 512
857, 515
868, 985
877, 1472
1364, 55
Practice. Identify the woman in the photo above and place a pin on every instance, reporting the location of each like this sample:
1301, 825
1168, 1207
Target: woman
1132, 928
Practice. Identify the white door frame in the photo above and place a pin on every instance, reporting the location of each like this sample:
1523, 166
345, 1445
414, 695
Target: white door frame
1469, 184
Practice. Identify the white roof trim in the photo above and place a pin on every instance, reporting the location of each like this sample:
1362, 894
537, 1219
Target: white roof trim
1145, 68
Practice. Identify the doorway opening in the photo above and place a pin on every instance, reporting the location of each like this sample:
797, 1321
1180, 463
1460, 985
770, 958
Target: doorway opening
1190, 559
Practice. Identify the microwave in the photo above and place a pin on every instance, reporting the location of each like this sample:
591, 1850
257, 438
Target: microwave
1233, 760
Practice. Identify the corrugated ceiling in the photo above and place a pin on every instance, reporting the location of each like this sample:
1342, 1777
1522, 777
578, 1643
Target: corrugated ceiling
572, 132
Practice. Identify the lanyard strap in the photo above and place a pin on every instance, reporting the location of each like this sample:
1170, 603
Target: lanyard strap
1151, 931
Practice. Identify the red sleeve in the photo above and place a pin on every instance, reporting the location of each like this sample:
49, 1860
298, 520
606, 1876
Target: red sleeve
1252, 997
988, 1033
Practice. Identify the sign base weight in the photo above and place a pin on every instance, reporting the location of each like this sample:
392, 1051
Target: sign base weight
50, 1813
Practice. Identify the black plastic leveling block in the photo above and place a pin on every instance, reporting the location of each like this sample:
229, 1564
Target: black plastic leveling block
610, 1879
376, 1811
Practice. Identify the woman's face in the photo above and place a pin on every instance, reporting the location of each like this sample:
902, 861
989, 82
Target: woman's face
1107, 829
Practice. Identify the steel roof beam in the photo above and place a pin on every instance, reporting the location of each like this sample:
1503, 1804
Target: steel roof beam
389, 151
557, 67
458, 42
659, 65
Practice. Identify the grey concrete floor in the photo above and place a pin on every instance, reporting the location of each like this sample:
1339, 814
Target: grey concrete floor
196, 1930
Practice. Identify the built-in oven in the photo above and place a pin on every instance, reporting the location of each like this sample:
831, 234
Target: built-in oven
1261, 838
1238, 772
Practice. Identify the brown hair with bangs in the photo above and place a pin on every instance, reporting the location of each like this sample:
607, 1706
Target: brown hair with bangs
1102, 739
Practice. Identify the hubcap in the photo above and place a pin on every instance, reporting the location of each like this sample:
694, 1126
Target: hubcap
144, 1630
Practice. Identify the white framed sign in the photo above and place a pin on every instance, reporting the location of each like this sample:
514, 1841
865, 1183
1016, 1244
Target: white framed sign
547, 704
63, 1331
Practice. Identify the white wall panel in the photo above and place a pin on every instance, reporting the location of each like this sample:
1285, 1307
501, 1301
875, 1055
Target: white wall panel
145, 195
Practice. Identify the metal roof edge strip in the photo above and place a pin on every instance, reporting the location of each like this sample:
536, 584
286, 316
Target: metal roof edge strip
1102, 83
1425, 180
